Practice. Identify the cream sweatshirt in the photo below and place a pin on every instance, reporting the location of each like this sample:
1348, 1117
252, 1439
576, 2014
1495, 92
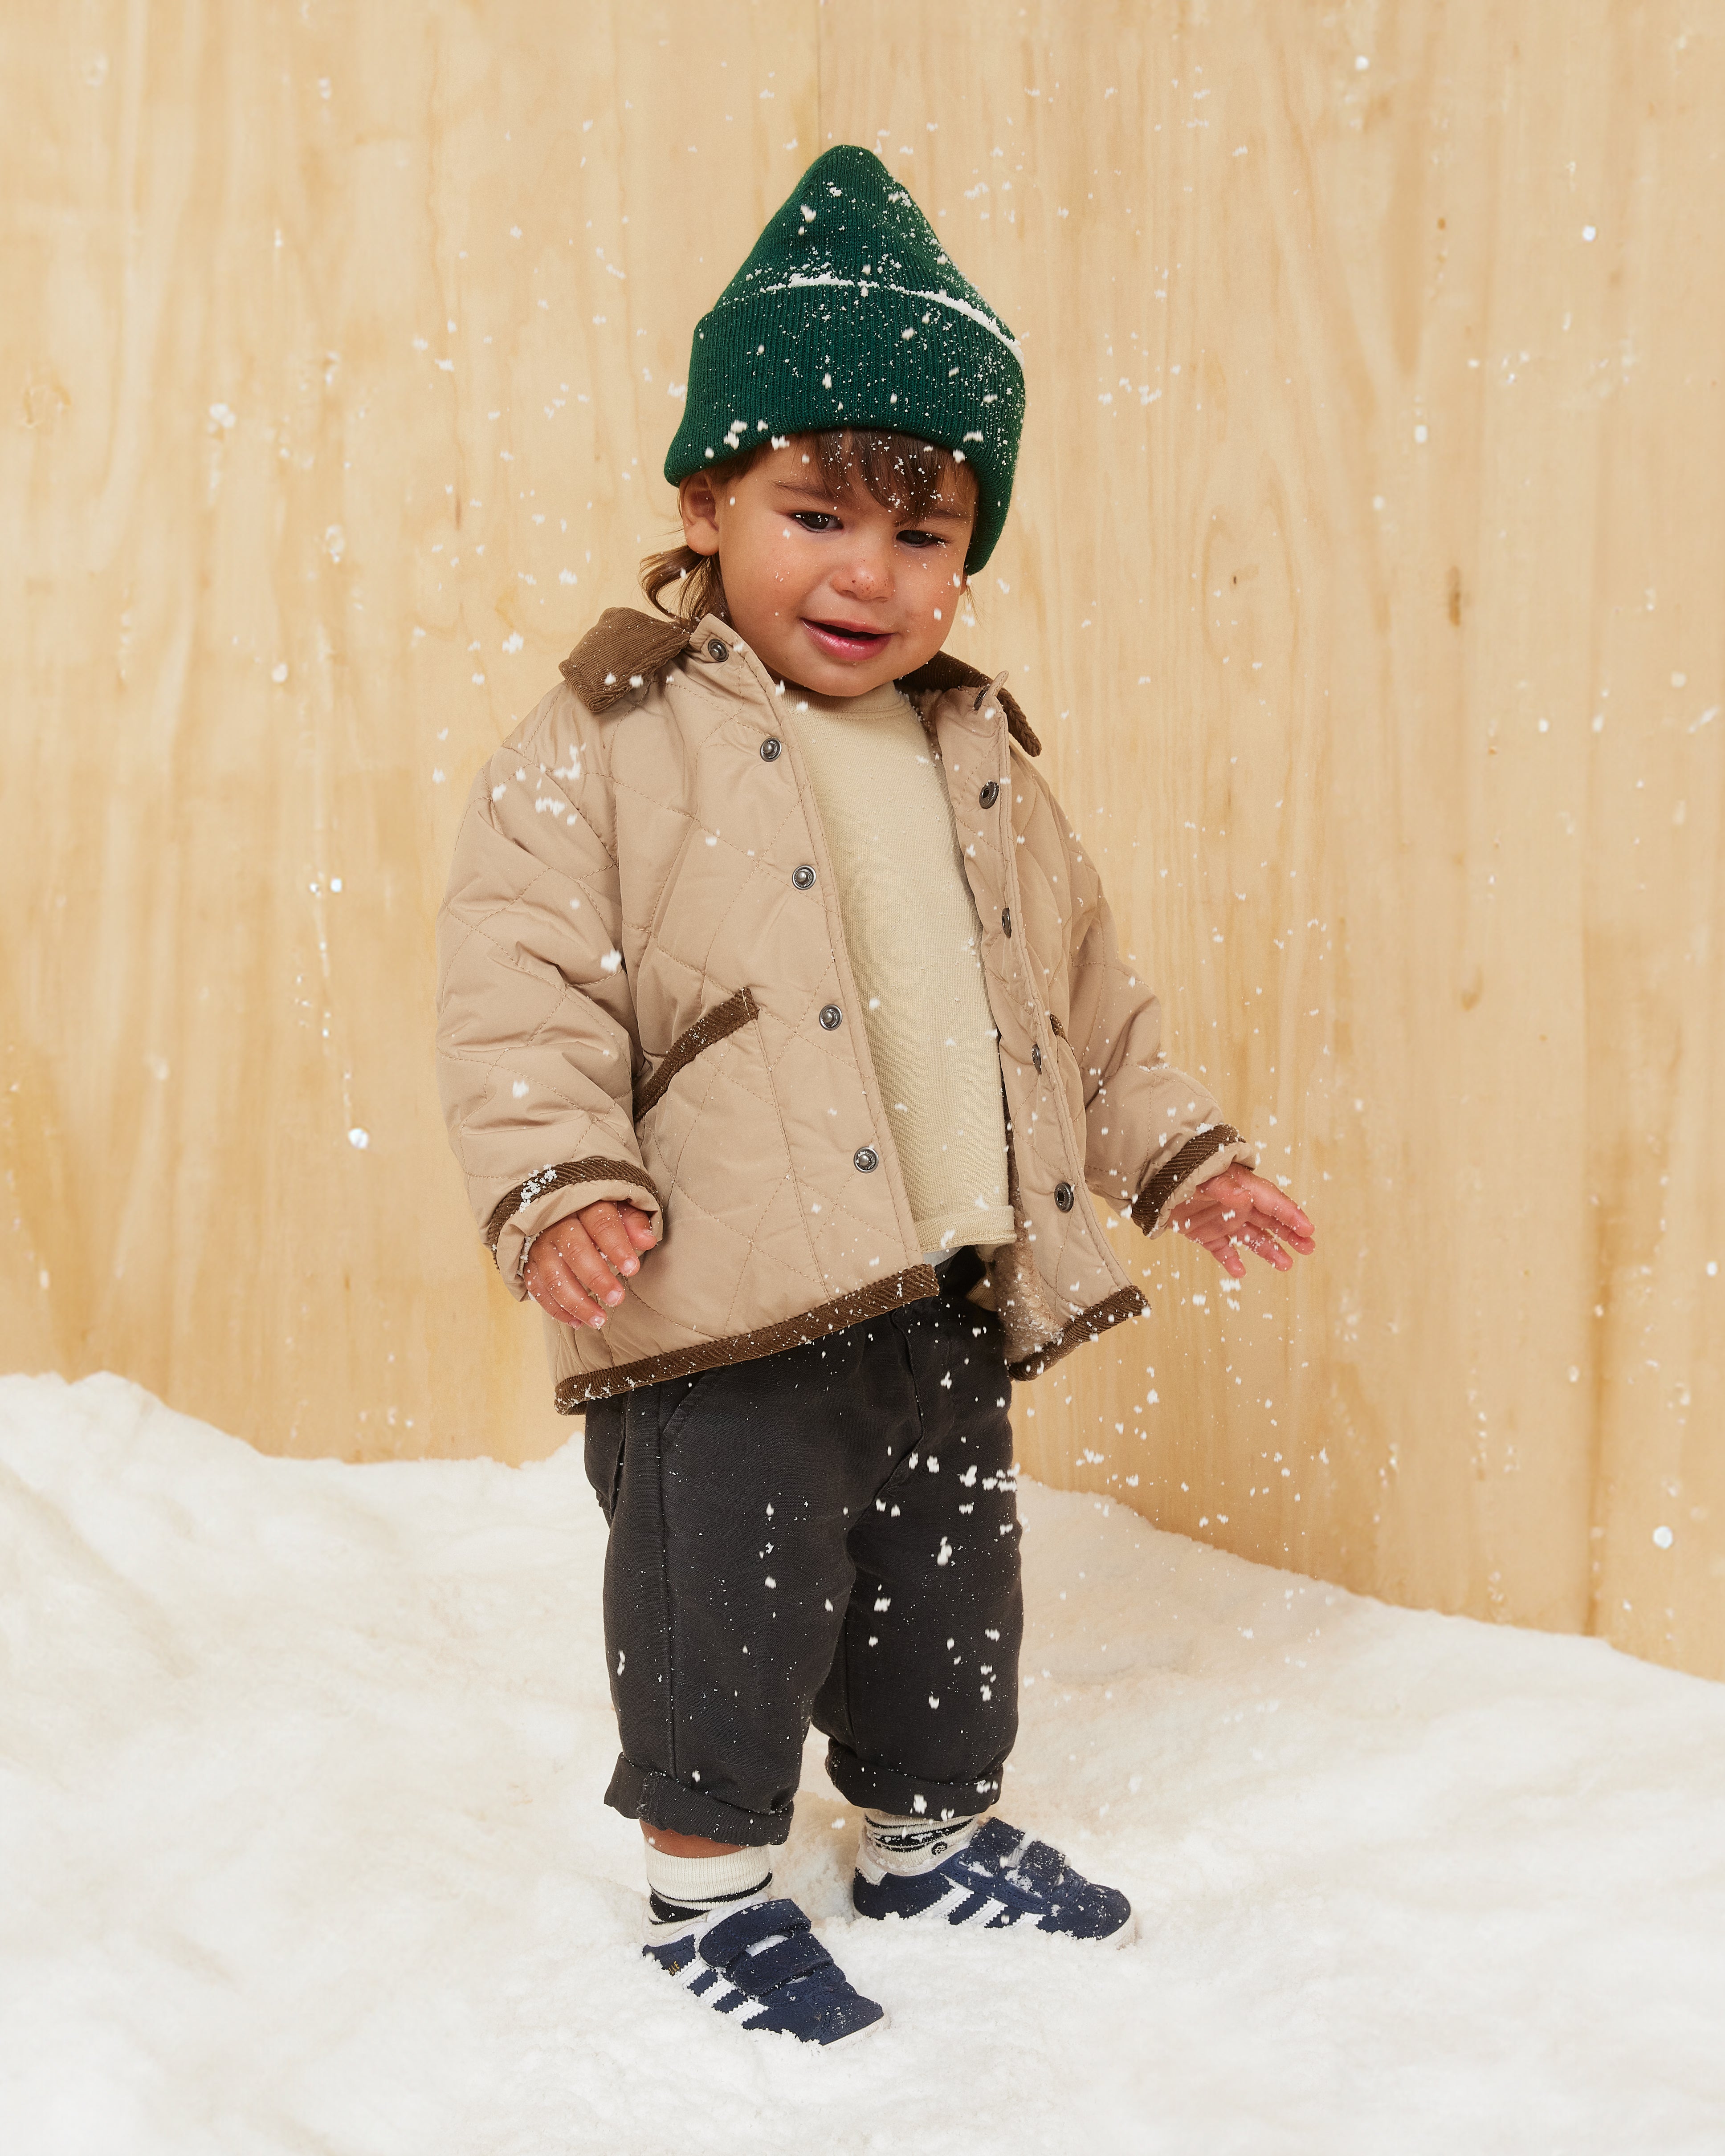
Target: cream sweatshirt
914, 944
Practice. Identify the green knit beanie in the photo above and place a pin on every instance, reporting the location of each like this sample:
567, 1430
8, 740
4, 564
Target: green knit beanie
848, 313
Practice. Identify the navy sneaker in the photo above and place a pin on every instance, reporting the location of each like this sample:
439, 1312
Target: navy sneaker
763, 1963
999, 1877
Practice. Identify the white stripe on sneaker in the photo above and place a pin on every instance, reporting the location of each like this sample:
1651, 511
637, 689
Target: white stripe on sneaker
958, 1893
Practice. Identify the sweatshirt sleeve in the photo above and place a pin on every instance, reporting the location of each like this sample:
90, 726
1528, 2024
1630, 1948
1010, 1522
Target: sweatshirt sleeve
1152, 1134
536, 1034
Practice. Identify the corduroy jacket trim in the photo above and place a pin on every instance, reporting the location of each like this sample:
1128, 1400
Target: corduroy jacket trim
623, 651
1087, 1325
558, 1176
1147, 1205
711, 1027
913, 1285
943, 672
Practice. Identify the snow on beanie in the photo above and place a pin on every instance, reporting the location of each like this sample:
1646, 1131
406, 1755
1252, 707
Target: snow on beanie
848, 313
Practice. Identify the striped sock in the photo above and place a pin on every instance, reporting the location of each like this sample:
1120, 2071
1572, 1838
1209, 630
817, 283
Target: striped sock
685, 1890
908, 1847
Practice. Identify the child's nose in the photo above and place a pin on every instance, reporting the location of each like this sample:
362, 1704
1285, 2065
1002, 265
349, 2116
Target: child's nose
868, 574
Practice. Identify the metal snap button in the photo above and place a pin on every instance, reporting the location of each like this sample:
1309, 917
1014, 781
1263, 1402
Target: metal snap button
1006, 919
803, 877
831, 1018
991, 793
715, 649
1064, 1197
1036, 1056
865, 1159
770, 748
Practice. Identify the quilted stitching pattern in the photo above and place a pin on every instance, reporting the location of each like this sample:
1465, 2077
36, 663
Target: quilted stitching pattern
621, 874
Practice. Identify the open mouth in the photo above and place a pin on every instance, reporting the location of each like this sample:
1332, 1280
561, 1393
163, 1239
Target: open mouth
842, 640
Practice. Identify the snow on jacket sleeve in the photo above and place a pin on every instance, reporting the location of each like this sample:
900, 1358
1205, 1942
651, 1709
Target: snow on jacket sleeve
1152, 1134
535, 1025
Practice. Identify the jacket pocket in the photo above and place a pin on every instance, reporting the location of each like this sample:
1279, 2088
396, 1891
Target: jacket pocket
708, 1030
737, 1248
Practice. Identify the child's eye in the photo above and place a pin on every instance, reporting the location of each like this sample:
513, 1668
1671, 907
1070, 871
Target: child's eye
921, 540
814, 519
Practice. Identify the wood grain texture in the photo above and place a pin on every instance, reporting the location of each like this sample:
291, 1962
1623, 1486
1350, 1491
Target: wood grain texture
338, 383
1363, 580
1372, 456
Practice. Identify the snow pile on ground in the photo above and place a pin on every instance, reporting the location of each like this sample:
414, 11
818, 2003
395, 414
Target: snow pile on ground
300, 1772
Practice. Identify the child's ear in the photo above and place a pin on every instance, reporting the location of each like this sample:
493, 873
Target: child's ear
699, 505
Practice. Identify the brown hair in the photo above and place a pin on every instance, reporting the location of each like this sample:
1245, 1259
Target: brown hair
902, 472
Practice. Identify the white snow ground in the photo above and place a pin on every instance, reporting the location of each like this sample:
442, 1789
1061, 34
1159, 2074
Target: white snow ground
300, 1777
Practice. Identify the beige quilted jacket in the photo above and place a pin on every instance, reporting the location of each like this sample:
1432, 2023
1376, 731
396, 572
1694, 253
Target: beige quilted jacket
641, 933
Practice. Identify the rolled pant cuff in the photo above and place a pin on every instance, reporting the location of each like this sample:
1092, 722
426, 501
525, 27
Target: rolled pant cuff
641, 1793
905, 1795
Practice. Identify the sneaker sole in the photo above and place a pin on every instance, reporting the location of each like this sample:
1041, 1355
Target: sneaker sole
1126, 1936
855, 2035
814, 2043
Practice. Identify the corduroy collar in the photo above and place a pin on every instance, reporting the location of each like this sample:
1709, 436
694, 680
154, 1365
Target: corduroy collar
626, 651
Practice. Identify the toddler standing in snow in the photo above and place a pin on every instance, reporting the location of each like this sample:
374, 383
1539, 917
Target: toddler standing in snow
783, 1037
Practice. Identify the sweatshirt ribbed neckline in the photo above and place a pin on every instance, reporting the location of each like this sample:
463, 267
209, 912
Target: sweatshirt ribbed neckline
884, 703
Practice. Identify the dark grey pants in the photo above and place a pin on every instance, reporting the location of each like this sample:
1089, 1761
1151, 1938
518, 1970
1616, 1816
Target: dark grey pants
829, 1534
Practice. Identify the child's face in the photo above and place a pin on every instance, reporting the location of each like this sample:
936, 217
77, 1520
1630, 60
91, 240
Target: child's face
833, 592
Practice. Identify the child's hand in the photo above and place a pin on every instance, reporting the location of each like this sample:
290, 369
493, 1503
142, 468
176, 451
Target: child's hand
1238, 1208
573, 1268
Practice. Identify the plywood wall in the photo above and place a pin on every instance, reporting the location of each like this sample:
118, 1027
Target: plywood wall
1364, 580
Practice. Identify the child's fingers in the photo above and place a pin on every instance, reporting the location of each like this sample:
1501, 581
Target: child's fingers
605, 1224
568, 1259
1224, 1228
1302, 1239
1250, 1212
1267, 1238
591, 1268
1266, 1198
551, 1284
572, 1268
1249, 1225
1202, 1217
1207, 1231
642, 1231
1265, 1246
572, 1308
1248, 1191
